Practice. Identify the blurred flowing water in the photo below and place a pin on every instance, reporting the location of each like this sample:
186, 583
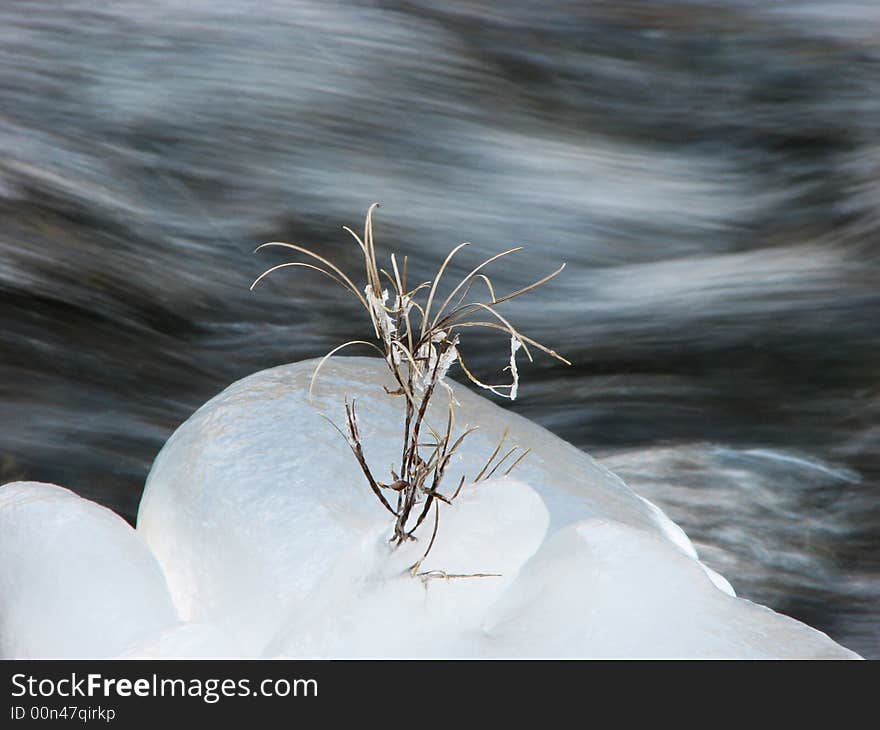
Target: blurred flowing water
709, 170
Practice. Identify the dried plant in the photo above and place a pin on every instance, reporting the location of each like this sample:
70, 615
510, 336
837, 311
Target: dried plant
420, 341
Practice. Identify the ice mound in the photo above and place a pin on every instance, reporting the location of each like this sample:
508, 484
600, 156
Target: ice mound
268, 533
635, 597
257, 536
75, 579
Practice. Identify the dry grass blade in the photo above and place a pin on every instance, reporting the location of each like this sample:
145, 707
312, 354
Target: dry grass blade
458, 489
453, 576
534, 343
519, 458
358, 452
355, 443
356, 238
501, 461
435, 282
372, 271
330, 354
486, 280
415, 568
493, 454
329, 264
530, 287
470, 276
303, 265
471, 307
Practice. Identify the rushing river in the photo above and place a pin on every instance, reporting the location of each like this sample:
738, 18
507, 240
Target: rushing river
710, 171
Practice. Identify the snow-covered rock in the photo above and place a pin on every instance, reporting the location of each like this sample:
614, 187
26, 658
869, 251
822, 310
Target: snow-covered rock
267, 532
75, 579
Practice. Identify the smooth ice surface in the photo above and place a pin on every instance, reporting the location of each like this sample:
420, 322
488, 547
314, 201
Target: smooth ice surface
369, 605
184, 640
636, 597
75, 579
267, 531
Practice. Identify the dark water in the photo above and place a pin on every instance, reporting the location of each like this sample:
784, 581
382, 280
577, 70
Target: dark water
709, 170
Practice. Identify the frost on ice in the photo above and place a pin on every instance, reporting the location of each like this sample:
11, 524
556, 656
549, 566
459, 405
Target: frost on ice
270, 544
